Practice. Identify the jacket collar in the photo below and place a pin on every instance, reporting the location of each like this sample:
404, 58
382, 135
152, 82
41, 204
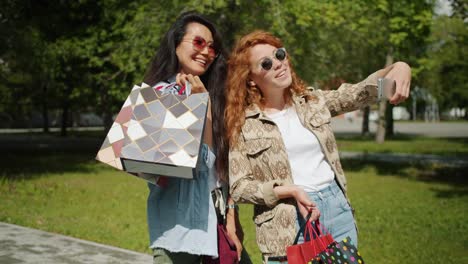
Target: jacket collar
254, 110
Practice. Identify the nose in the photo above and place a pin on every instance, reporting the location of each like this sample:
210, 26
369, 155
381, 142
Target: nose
277, 63
205, 50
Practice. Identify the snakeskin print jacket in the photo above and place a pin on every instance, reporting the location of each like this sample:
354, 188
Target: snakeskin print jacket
259, 162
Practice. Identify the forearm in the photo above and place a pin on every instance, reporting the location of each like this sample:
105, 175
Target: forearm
349, 97
287, 191
248, 190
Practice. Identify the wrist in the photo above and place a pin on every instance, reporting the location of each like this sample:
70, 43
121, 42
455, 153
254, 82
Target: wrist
232, 206
295, 191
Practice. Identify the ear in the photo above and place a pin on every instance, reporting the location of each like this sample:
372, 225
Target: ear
251, 83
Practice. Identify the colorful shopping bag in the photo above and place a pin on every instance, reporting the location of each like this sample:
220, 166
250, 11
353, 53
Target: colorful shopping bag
306, 251
339, 253
156, 134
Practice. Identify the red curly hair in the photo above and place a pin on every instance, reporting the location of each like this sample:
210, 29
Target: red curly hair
239, 95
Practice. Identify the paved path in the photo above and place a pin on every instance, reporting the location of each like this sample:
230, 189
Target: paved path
20, 245
458, 161
339, 124
441, 129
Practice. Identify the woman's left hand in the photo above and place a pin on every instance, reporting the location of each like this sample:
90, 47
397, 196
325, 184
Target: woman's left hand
232, 231
401, 73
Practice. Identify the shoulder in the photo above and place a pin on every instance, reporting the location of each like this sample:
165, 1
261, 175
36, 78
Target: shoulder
310, 90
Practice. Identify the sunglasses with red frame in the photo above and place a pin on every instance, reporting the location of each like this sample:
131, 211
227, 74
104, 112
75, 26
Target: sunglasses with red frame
199, 44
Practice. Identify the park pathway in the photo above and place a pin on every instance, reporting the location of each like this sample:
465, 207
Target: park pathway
21, 245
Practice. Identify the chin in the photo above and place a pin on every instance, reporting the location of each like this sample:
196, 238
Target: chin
196, 71
287, 82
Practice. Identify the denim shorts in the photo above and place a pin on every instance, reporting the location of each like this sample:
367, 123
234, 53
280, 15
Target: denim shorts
335, 213
182, 214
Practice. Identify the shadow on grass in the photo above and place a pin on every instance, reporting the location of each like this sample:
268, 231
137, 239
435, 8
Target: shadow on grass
455, 177
30, 156
20, 166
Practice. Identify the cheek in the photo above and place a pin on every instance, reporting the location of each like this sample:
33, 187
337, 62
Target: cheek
178, 53
183, 52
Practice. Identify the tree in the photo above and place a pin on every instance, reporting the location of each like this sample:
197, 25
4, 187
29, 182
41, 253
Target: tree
443, 70
406, 26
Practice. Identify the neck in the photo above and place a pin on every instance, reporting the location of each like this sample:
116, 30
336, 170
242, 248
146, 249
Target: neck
274, 102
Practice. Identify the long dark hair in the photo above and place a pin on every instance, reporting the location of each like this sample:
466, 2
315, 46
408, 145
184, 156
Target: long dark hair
165, 65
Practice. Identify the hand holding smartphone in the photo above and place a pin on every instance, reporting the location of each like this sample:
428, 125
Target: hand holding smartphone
386, 88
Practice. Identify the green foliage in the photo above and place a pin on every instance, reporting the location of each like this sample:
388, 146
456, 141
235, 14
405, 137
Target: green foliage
88, 54
443, 70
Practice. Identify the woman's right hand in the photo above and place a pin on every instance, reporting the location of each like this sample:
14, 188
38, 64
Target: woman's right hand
303, 201
197, 84
305, 205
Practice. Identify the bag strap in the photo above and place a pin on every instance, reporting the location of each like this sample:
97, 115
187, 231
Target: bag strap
318, 232
301, 229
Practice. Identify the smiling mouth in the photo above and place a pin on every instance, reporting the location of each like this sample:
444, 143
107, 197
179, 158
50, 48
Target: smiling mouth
200, 61
281, 74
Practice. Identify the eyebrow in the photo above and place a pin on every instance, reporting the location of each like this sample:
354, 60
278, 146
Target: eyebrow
207, 41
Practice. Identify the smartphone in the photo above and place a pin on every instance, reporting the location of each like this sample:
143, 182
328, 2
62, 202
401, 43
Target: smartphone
386, 87
188, 88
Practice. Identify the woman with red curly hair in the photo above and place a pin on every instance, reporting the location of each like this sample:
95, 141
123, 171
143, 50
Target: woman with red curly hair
283, 156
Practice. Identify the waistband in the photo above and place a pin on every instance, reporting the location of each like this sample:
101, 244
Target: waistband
331, 190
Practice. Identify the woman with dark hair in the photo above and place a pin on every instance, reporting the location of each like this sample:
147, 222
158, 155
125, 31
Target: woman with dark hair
283, 156
182, 217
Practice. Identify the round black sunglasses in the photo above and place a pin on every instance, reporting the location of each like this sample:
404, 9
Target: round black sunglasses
267, 63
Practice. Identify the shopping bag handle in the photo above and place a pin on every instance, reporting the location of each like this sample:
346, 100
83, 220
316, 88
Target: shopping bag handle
318, 230
307, 218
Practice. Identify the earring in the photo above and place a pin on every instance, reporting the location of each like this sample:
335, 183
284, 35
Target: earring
251, 83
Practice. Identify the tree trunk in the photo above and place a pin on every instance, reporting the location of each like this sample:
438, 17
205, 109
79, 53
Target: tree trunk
382, 124
63, 129
45, 110
365, 121
389, 120
380, 134
65, 110
107, 119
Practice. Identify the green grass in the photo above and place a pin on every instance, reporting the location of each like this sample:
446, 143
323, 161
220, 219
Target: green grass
405, 144
87, 200
406, 214
409, 214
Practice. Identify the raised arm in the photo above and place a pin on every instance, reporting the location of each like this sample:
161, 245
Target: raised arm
349, 97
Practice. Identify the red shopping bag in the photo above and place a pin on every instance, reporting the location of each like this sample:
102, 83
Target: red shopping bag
306, 251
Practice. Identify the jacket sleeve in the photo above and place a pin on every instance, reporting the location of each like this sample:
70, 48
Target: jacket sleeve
349, 97
244, 187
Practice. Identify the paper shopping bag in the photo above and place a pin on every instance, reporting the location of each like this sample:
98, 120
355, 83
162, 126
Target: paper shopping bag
156, 134
339, 252
318, 240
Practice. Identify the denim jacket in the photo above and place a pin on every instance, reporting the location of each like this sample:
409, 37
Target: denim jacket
181, 215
